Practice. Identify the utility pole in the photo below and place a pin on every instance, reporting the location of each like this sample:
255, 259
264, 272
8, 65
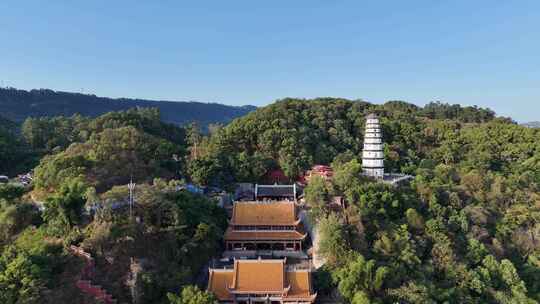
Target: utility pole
176, 159
131, 187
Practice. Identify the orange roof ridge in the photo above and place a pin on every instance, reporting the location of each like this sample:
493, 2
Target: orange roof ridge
269, 235
233, 283
210, 277
310, 282
233, 213
268, 202
300, 283
284, 277
287, 289
218, 282
221, 269
261, 260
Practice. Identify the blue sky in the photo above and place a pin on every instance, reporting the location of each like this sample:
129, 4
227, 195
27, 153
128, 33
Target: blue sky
253, 52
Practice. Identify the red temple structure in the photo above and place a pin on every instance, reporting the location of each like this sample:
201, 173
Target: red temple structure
325, 172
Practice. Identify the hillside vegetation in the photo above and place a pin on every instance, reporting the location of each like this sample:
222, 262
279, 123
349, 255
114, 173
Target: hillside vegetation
15, 155
80, 182
18, 105
294, 134
465, 230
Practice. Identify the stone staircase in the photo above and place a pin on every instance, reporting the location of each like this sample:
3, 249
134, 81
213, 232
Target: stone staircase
84, 283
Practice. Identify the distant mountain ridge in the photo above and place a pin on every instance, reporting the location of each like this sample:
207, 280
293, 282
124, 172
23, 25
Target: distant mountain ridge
17, 105
532, 124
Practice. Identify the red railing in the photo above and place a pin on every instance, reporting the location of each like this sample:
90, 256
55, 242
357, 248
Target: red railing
84, 283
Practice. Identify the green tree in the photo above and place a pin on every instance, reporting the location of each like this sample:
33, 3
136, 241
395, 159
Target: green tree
10, 192
15, 218
347, 177
15, 155
317, 196
192, 295
359, 278
64, 209
414, 219
28, 267
502, 281
109, 158
333, 241
20, 281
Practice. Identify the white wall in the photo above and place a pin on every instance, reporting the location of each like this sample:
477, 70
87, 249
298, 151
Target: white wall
372, 140
374, 172
372, 163
373, 154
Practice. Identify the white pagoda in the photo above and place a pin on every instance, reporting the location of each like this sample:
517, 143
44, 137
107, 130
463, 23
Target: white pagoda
373, 154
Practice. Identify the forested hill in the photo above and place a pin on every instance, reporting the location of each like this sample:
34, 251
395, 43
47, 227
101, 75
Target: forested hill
294, 134
464, 230
17, 105
532, 124
7, 125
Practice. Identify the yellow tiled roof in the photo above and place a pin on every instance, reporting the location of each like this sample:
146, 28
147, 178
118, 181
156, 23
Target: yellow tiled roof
257, 213
261, 277
231, 235
219, 281
299, 282
258, 276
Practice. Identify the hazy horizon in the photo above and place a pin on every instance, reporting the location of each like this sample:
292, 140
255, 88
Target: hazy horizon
240, 105
241, 53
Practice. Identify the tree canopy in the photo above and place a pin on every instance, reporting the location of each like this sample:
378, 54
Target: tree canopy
464, 230
294, 134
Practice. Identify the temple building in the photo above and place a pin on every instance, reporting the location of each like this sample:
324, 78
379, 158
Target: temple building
244, 192
262, 281
264, 226
276, 192
372, 154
